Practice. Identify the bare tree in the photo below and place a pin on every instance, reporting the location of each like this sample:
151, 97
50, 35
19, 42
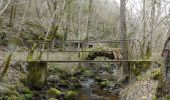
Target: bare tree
123, 32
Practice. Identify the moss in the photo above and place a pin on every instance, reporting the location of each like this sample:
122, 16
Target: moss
73, 79
98, 79
105, 84
156, 75
88, 73
53, 92
139, 66
28, 96
13, 98
77, 85
63, 84
70, 95
167, 97
37, 74
52, 99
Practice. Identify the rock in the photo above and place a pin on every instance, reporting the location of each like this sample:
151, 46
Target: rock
156, 75
98, 79
52, 99
88, 73
28, 96
53, 93
74, 79
63, 84
77, 85
53, 78
70, 95
105, 84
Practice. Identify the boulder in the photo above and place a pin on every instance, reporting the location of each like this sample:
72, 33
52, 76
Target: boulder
53, 93
53, 78
70, 95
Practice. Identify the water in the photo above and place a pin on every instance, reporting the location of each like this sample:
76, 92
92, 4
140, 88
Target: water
90, 91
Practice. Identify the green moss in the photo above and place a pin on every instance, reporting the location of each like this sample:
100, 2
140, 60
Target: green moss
139, 66
28, 96
12, 98
63, 84
88, 73
167, 97
105, 84
53, 92
73, 79
156, 75
77, 85
52, 99
70, 95
37, 74
98, 79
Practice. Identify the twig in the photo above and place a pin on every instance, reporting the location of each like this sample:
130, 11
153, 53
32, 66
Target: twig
5, 7
18, 3
22, 20
157, 26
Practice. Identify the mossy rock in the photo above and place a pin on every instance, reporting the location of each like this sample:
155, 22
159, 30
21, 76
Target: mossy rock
52, 99
53, 78
98, 79
105, 84
70, 95
27, 96
74, 79
53, 93
77, 85
63, 84
88, 73
12, 98
156, 75
167, 97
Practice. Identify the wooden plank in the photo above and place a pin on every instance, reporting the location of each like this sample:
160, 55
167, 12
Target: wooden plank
73, 51
83, 41
93, 61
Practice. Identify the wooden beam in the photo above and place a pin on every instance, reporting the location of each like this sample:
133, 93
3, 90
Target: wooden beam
91, 61
83, 41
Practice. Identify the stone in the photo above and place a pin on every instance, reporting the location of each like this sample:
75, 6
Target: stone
70, 95
53, 93
63, 84
52, 99
105, 84
53, 78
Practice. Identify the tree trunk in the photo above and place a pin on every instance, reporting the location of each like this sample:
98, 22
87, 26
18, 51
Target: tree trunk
89, 19
152, 40
123, 32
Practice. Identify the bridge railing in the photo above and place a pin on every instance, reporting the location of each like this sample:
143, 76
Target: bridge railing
47, 52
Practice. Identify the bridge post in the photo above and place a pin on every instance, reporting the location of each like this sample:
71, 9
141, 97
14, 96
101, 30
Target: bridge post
37, 74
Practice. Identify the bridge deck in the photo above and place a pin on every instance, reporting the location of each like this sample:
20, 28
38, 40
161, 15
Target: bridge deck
90, 61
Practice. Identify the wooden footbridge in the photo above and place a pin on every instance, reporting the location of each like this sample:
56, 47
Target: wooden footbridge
78, 47
38, 68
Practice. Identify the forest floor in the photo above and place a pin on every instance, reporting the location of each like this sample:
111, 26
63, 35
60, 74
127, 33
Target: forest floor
144, 88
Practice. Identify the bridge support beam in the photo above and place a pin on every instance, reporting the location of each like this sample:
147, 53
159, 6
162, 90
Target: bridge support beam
37, 74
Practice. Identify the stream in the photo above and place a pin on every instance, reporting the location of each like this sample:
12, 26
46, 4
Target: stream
94, 83
88, 92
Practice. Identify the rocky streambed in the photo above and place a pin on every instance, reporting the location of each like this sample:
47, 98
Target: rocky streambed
88, 82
